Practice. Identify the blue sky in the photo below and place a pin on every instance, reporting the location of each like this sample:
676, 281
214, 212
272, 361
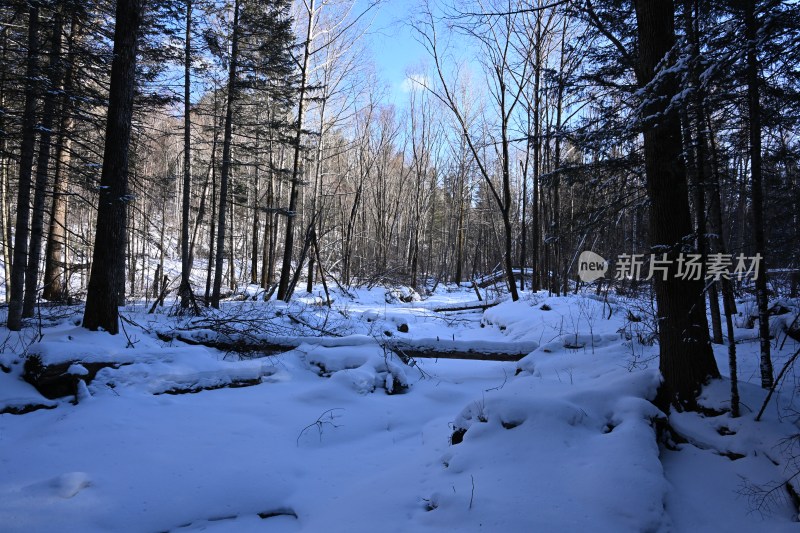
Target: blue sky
393, 46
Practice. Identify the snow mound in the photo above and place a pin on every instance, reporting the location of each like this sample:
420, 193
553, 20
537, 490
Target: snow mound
69, 484
181, 369
360, 368
401, 294
64, 486
17, 395
571, 457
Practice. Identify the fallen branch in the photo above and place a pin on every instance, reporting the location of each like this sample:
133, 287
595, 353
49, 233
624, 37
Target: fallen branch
482, 307
432, 353
775, 385
477, 292
298, 320
160, 300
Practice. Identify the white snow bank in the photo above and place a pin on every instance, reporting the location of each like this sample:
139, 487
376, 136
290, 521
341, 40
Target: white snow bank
362, 368
177, 369
16, 394
577, 457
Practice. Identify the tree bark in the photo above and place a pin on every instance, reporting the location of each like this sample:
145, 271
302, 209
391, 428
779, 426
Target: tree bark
226, 160
42, 165
288, 249
686, 359
102, 297
704, 174
754, 112
55, 280
22, 228
185, 288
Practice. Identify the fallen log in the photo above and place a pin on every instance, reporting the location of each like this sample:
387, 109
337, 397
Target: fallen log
194, 389
409, 354
406, 348
232, 345
474, 307
25, 409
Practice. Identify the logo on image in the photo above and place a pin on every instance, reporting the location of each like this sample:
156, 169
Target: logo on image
591, 266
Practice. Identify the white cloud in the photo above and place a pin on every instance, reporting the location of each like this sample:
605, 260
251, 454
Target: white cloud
414, 82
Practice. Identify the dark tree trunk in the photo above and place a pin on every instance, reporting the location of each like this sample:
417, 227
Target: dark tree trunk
268, 248
5, 163
20, 261
108, 263
556, 229
212, 232
686, 359
185, 288
254, 238
536, 278
54, 270
226, 161
42, 166
703, 171
288, 248
754, 112
506, 208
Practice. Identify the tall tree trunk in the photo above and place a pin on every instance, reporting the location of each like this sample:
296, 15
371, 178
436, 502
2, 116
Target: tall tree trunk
25, 169
201, 209
55, 261
558, 243
702, 160
506, 209
231, 245
102, 297
316, 203
5, 237
255, 227
185, 289
212, 233
458, 195
754, 112
5, 163
686, 359
537, 158
42, 165
268, 249
286, 267
226, 160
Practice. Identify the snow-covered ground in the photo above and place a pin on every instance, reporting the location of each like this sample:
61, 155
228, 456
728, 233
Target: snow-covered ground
340, 434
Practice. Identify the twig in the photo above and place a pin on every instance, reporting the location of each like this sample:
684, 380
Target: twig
472, 496
477, 292
39, 308
789, 329
134, 323
130, 342
775, 385
319, 423
305, 323
505, 378
164, 291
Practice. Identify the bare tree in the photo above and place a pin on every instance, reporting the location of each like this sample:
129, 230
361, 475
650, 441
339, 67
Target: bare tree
494, 34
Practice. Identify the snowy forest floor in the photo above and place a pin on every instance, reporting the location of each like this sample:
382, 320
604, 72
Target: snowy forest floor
340, 434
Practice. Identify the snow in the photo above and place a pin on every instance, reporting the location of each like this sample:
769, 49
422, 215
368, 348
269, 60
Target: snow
16, 393
339, 434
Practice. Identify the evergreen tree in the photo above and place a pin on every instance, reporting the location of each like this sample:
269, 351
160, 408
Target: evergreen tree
107, 275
